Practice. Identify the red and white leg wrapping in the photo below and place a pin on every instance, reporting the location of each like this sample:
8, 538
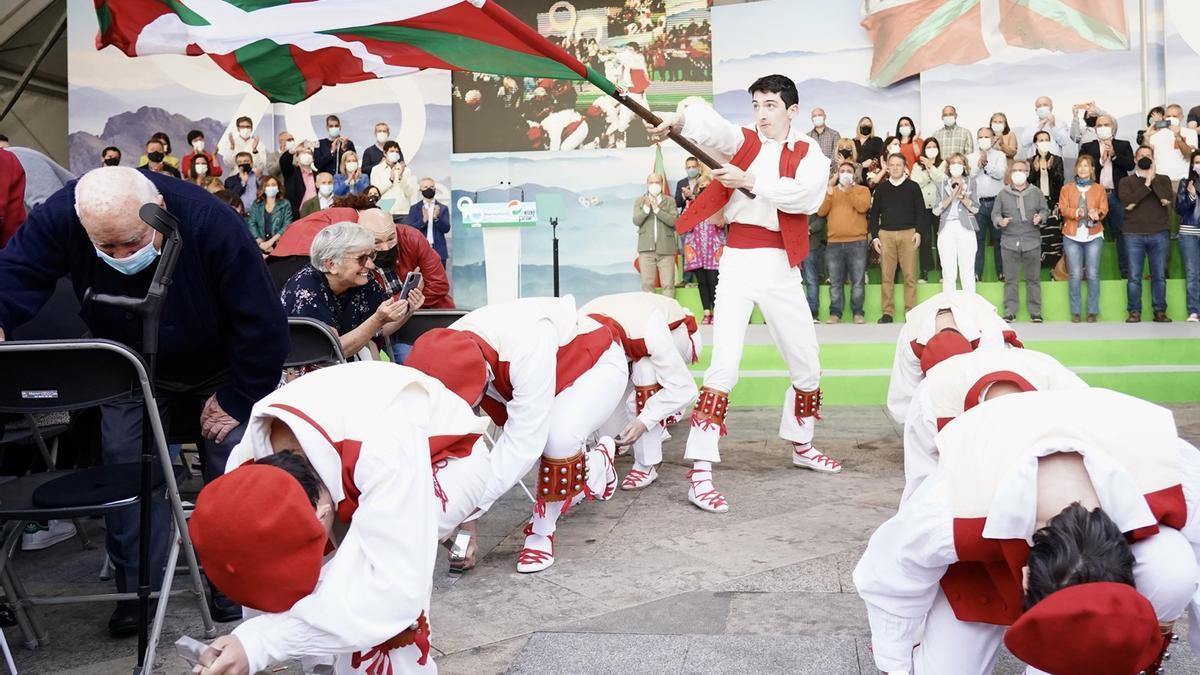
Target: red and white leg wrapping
560, 484
802, 409
708, 426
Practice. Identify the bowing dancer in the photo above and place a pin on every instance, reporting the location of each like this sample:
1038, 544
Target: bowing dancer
551, 378
374, 481
949, 323
964, 381
660, 339
787, 175
1063, 522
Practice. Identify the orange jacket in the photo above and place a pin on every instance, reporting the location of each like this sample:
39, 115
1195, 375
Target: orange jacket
1068, 203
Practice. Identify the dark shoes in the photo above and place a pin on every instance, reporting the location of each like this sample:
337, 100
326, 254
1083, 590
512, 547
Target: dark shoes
124, 620
1009, 318
1091, 318
886, 318
223, 609
1075, 318
1036, 318
1161, 317
1134, 317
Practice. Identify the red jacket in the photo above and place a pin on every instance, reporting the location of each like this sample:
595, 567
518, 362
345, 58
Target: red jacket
12, 195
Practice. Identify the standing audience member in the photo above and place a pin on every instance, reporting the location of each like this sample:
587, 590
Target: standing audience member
350, 179
394, 181
688, 186
1188, 208
1006, 140
270, 215
328, 155
956, 208
43, 176
1147, 196
702, 249
826, 137
1083, 124
243, 182
155, 159
911, 144
895, 213
195, 138
929, 173
1047, 174
1156, 120
1173, 144
845, 210
1059, 130
868, 147
987, 167
169, 159
431, 218
110, 156
12, 191
375, 152
1019, 212
951, 138
654, 217
373, 194
1082, 205
196, 169
323, 199
299, 181
1113, 160
287, 143
244, 142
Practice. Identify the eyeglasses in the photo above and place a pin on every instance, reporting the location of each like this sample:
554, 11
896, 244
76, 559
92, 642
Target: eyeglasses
361, 259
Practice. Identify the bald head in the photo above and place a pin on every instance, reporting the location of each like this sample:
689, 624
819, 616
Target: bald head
377, 221
107, 201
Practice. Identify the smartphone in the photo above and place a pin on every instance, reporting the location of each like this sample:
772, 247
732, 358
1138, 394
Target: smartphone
410, 282
1162, 124
190, 649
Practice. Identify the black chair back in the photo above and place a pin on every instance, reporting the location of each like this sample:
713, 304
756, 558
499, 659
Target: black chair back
282, 269
50, 375
425, 320
313, 344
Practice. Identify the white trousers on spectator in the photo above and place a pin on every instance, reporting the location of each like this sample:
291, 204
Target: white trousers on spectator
956, 249
760, 276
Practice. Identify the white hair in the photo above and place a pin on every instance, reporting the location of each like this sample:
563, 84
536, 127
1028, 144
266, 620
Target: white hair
335, 241
112, 195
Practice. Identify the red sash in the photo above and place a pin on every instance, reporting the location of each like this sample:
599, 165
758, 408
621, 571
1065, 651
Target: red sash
793, 227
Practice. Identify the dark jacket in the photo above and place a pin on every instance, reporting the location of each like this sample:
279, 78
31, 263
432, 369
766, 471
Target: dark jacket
293, 181
222, 312
441, 225
1056, 178
325, 159
1122, 158
896, 207
1145, 212
680, 202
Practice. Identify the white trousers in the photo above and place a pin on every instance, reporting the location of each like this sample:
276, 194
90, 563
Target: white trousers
956, 248
647, 450
760, 276
463, 481
953, 646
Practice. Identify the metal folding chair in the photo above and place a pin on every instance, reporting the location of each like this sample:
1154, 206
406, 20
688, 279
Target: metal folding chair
57, 375
313, 344
425, 320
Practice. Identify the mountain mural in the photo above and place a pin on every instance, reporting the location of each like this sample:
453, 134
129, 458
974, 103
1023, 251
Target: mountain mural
129, 132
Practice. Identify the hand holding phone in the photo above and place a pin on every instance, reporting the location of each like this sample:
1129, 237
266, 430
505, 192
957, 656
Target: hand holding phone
410, 282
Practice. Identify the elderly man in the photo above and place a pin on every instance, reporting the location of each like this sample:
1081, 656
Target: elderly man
1113, 160
224, 335
1172, 145
431, 218
654, 216
825, 136
374, 153
1059, 130
952, 138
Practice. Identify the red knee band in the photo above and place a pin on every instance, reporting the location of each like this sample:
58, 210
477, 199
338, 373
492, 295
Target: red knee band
561, 479
711, 407
643, 394
808, 403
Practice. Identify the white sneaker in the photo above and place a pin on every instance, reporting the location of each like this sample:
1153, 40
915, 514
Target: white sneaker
37, 536
705, 499
637, 479
1193, 317
811, 458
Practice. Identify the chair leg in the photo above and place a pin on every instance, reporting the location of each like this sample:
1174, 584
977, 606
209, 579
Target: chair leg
85, 542
30, 637
189, 553
164, 594
8, 657
35, 617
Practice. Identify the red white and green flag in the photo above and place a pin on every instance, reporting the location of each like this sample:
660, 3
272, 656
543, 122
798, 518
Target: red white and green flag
290, 49
911, 36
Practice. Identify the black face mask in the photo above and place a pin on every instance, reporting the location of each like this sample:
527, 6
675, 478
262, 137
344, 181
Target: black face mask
386, 260
1145, 163
155, 157
865, 130
244, 167
112, 161
844, 153
428, 193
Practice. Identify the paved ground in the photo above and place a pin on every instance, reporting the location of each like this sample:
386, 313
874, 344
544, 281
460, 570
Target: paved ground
645, 583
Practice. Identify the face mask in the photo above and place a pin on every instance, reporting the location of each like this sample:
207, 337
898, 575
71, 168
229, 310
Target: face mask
654, 189
198, 146
386, 260
956, 170
1174, 121
1043, 147
893, 149
381, 136
289, 146
864, 129
1196, 168
931, 153
200, 169
155, 157
112, 161
844, 153
1043, 112
244, 167
818, 121
1104, 133
949, 120
131, 265
325, 189
1145, 163
393, 157
351, 167
428, 193
245, 133
334, 132
845, 178
693, 173
1018, 178
997, 128
270, 191
905, 131
305, 160
985, 144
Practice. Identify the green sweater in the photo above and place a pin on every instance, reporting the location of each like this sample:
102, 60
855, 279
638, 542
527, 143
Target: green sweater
656, 226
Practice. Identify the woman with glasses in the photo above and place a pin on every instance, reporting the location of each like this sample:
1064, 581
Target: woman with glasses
339, 289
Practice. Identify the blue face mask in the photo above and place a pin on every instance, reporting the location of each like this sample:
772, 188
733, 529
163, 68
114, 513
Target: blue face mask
134, 263
1083, 182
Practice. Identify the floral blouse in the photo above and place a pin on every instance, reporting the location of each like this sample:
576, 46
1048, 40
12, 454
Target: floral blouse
308, 294
702, 247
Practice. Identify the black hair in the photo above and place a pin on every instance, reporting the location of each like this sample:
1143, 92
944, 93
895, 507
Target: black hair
332, 118
388, 145
193, 135
298, 467
777, 84
1156, 109
112, 148
245, 119
3, 138
1077, 546
937, 161
912, 134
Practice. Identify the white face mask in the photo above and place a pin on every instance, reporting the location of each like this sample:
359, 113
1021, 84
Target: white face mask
998, 128
1104, 133
1018, 178
381, 136
270, 191
985, 144
931, 153
654, 189
200, 169
393, 157
289, 146
351, 167
304, 160
198, 146
846, 177
1043, 147
905, 131
818, 121
1174, 121
949, 120
1042, 112
893, 149
956, 170
334, 132
245, 133
325, 189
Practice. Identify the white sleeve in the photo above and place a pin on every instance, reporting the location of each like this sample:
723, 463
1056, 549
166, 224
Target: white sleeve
669, 371
899, 572
380, 578
1061, 133
524, 437
1026, 143
1191, 530
707, 128
906, 375
996, 167
920, 451
805, 192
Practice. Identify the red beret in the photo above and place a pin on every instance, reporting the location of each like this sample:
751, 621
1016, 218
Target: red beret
258, 538
942, 346
1101, 628
450, 356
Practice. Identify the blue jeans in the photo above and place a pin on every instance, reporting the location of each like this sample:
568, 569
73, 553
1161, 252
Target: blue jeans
811, 271
1116, 225
1189, 247
986, 229
1080, 256
1138, 247
848, 259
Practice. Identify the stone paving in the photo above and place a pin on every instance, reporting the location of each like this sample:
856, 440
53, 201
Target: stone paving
645, 583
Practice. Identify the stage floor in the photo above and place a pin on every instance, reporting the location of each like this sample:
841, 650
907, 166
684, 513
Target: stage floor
644, 583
